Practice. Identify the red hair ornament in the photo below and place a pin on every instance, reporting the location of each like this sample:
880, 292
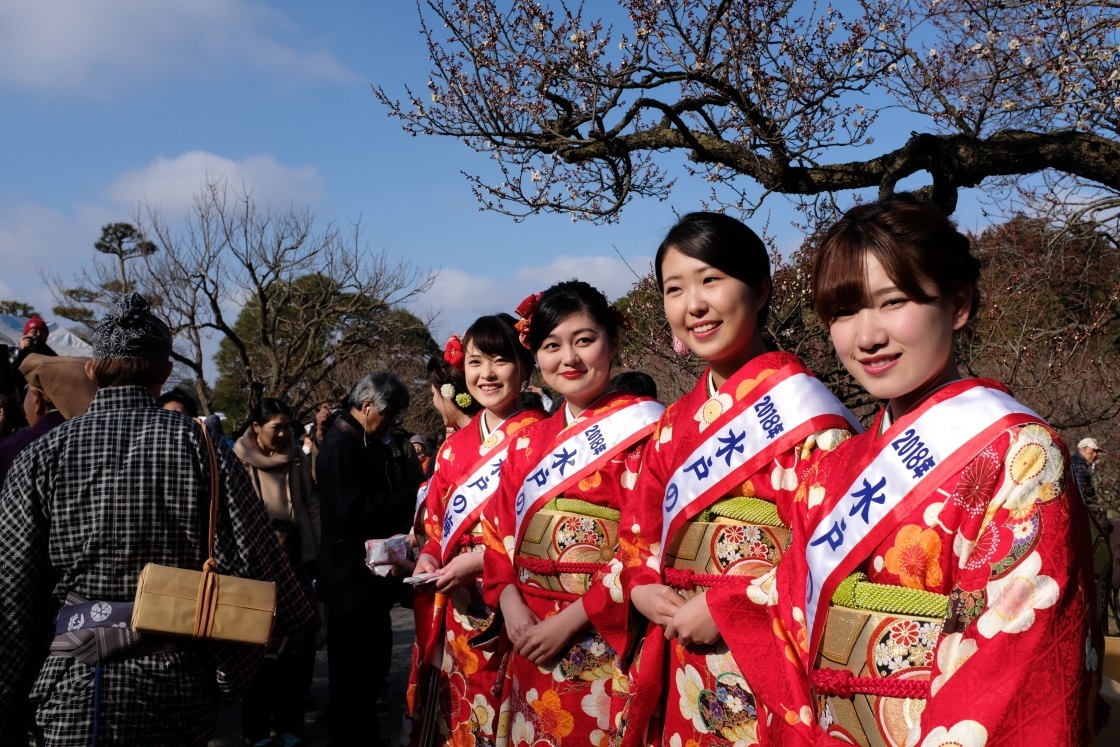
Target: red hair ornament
525, 310
453, 352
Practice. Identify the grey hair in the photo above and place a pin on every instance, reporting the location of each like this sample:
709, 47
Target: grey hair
383, 390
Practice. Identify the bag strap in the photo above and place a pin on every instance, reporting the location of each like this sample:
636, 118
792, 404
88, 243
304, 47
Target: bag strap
206, 601
210, 563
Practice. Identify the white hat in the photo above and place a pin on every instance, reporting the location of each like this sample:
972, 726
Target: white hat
1090, 443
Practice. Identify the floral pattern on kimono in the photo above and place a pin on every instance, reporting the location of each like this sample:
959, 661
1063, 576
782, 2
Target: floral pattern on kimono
568, 702
470, 675
1006, 539
699, 691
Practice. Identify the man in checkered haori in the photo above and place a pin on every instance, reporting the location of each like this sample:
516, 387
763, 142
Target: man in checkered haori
83, 509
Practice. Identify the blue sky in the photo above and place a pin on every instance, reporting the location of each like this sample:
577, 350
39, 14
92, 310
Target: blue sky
111, 103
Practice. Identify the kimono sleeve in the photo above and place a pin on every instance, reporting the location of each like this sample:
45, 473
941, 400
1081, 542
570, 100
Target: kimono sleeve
605, 602
787, 482
639, 531
499, 527
1020, 651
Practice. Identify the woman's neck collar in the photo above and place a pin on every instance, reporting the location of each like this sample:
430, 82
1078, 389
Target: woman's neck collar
572, 414
722, 371
492, 418
899, 406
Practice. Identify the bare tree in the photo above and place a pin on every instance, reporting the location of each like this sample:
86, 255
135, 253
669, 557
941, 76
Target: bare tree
579, 113
318, 296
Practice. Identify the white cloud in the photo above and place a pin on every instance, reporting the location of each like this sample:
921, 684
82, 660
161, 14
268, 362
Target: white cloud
34, 238
94, 47
460, 297
170, 183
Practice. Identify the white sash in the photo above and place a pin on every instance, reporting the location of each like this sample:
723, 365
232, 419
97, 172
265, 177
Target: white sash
471, 494
897, 470
596, 442
794, 401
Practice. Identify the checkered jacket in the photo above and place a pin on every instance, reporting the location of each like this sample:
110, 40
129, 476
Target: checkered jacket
83, 509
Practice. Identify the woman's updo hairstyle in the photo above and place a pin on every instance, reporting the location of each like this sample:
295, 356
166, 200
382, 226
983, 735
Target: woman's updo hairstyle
564, 299
920, 250
448, 380
496, 337
267, 409
724, 243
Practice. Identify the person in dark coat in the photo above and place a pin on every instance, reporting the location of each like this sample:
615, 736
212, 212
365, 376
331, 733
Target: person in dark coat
368, 477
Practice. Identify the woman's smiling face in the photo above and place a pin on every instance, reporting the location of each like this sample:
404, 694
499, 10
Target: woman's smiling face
494, 382
898, 349
713, 313
575, 360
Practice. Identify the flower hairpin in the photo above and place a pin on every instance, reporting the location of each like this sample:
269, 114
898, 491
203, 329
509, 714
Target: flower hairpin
525, 310
453, 352
463, 399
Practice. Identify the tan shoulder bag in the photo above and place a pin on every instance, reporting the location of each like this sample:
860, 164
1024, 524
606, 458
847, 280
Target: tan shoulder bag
203, 604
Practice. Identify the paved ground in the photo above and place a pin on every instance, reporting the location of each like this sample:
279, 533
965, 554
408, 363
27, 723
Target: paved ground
315, 735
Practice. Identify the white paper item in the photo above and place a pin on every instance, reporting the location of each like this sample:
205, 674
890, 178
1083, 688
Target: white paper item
381, 554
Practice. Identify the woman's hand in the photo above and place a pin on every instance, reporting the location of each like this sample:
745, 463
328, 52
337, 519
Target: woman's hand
519, 618
426, 564
693, 624
548, 638
657, 602
462, 570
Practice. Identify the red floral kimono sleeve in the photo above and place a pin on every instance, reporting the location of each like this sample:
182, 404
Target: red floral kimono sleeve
639, 532
1017, 660
498, 526
606, 603
782, 482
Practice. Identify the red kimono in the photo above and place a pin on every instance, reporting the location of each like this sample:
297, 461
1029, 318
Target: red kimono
972, 622
733, 531
563, 551
469, 685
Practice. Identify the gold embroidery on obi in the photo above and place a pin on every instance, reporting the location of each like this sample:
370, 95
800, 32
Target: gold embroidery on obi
889, 653
562, 549
722, 543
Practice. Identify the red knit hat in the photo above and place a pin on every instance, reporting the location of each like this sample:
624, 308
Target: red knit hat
35, 322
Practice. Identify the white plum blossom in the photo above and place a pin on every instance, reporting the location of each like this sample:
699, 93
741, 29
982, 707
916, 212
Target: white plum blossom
953, 652
1013, 598
962, 734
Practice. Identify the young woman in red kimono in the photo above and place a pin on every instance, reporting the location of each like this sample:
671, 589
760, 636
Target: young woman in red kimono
553, 525
493, 368
717, 483
939, 592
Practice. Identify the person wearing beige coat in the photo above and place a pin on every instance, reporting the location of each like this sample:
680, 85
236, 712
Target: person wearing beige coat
280, 472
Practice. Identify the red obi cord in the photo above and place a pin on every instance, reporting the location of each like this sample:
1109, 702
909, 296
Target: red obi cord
687, 580
549, 567
843, 684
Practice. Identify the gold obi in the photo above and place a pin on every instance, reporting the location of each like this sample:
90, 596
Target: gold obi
736, 537
565, 544
874, 665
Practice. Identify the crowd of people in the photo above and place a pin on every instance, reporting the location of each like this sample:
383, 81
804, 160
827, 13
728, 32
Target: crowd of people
748, 565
